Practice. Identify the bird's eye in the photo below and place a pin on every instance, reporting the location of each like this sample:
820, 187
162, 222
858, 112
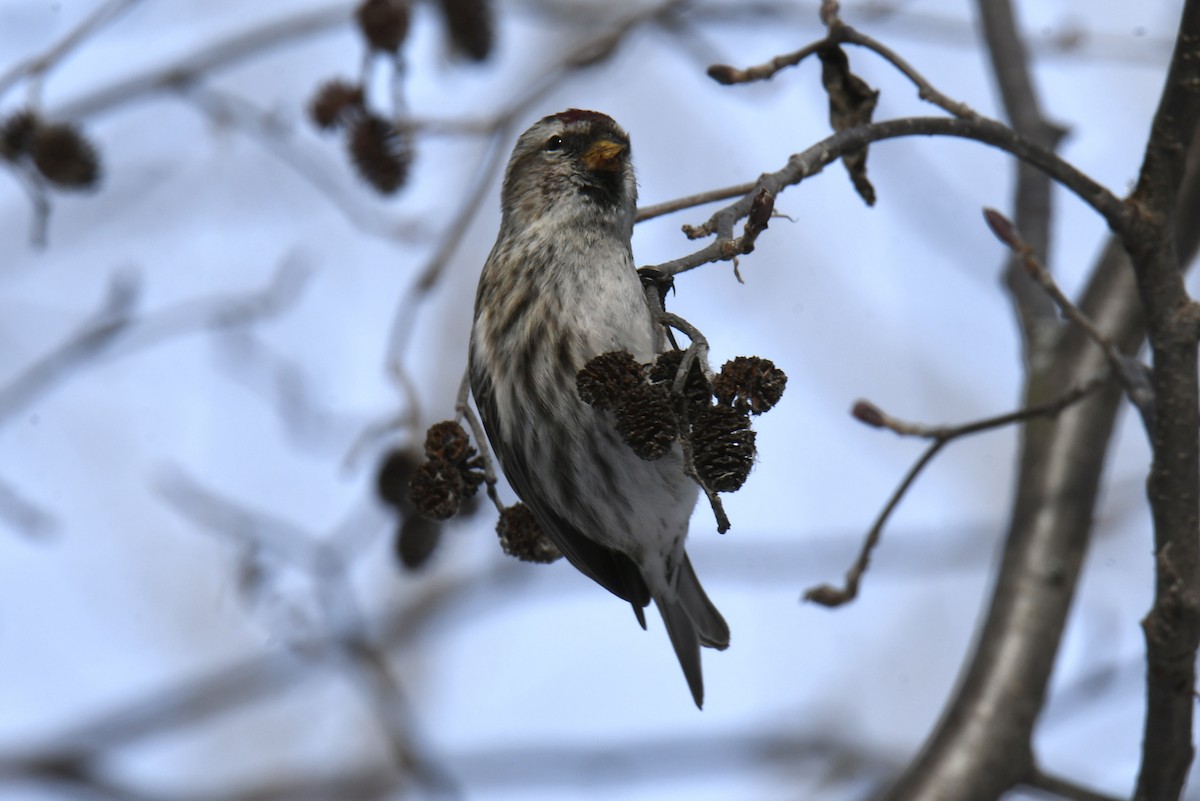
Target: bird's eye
554, 143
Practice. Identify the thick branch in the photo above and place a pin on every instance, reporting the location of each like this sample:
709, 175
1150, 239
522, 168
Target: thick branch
1172, 628
980, 748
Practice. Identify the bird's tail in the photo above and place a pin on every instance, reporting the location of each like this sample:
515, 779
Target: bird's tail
692, 621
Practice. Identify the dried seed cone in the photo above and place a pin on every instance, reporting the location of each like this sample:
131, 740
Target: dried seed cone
646, 421
64, 156
696, 388
383, 23
750, 384
381, 154
391, 482
416, 540
16, 134
469, 26
447, 440
723, 448
437, 489
607, 379
335, 103
520, 536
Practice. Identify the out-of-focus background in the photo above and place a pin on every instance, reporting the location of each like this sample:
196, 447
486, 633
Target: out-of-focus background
206, 360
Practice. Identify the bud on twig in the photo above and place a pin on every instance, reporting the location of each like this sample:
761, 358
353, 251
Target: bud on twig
1003, 229
866, 412
723, 74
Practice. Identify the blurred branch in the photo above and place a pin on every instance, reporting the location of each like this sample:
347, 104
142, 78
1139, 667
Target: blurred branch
276, 136
869, 413
110, 320
116, 329
206, 60
36, 68
1062, 788
23, 515
1033, 199
343, 632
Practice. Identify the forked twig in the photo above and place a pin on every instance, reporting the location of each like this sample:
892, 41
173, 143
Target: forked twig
872, 415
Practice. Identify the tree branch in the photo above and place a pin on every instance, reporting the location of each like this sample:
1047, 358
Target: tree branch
813, 160
1033, 199
981, 746
866, 412
1172, 628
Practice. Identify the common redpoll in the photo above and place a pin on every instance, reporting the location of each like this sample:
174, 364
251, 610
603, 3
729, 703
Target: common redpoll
558, 289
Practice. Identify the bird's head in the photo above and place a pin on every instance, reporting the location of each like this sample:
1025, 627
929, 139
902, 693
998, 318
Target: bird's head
571, 165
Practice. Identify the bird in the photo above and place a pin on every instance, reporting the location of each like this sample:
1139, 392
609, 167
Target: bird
559, 288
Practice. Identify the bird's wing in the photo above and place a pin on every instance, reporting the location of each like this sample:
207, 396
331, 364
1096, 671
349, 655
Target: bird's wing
611, 569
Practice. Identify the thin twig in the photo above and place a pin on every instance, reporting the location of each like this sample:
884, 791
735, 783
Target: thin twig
113, 316
691, 201
114, 330
463, 410
23, 515
207, 60
1033, 198
839, 34
1062, 788
868, 413
813, 160
1130, 373
697, 350
278, 138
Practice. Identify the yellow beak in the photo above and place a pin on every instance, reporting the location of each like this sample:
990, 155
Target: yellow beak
604, 155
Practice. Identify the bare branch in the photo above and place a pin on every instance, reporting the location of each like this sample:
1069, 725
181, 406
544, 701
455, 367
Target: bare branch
1033, 199
691, 201
1062, 788
697, 350
109, 321
1172, 628
36, 67
207, 60
869, 413
1131, 374
114, 329
840, 33
813, 160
